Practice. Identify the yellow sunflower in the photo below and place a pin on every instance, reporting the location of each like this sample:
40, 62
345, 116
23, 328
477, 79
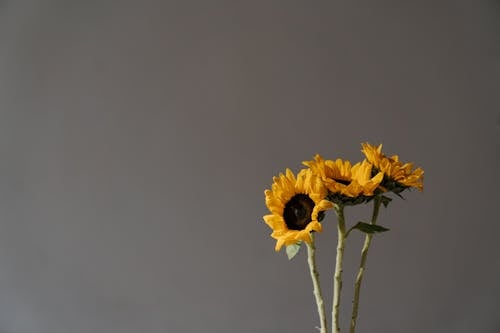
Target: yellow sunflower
398, 176
343, 179
295, 204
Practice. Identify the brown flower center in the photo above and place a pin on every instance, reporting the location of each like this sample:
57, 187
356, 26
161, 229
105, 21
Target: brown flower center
298, 210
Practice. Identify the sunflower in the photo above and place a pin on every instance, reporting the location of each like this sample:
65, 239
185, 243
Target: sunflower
398, 176
296, 204
348, 184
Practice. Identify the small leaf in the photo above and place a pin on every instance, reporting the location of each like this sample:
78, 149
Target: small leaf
369, 228
385, 200
399, 195
292, 250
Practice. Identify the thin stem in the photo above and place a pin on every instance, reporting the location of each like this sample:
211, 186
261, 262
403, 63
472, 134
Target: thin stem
311, 259
364, 254
337, 281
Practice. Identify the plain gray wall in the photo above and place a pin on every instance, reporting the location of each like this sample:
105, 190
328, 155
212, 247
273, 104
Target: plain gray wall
137, 138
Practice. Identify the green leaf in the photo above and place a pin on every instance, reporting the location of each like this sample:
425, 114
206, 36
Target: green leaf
292, 250
369, 228
385, 200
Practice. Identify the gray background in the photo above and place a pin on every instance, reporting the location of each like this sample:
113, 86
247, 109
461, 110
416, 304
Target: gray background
137, 139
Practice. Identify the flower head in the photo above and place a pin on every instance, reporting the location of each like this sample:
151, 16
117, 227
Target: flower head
296, 205
347, 184
398, 176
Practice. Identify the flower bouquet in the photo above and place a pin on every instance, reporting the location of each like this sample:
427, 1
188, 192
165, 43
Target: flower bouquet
298, 203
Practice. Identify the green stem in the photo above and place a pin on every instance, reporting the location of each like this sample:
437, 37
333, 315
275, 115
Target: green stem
337, 281
311, 259
364, 254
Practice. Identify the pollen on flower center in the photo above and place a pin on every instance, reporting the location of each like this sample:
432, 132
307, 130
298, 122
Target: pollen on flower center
298, 210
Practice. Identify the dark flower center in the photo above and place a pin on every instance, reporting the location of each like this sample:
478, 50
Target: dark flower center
298, 212
342, 181
374, 171
389, 184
